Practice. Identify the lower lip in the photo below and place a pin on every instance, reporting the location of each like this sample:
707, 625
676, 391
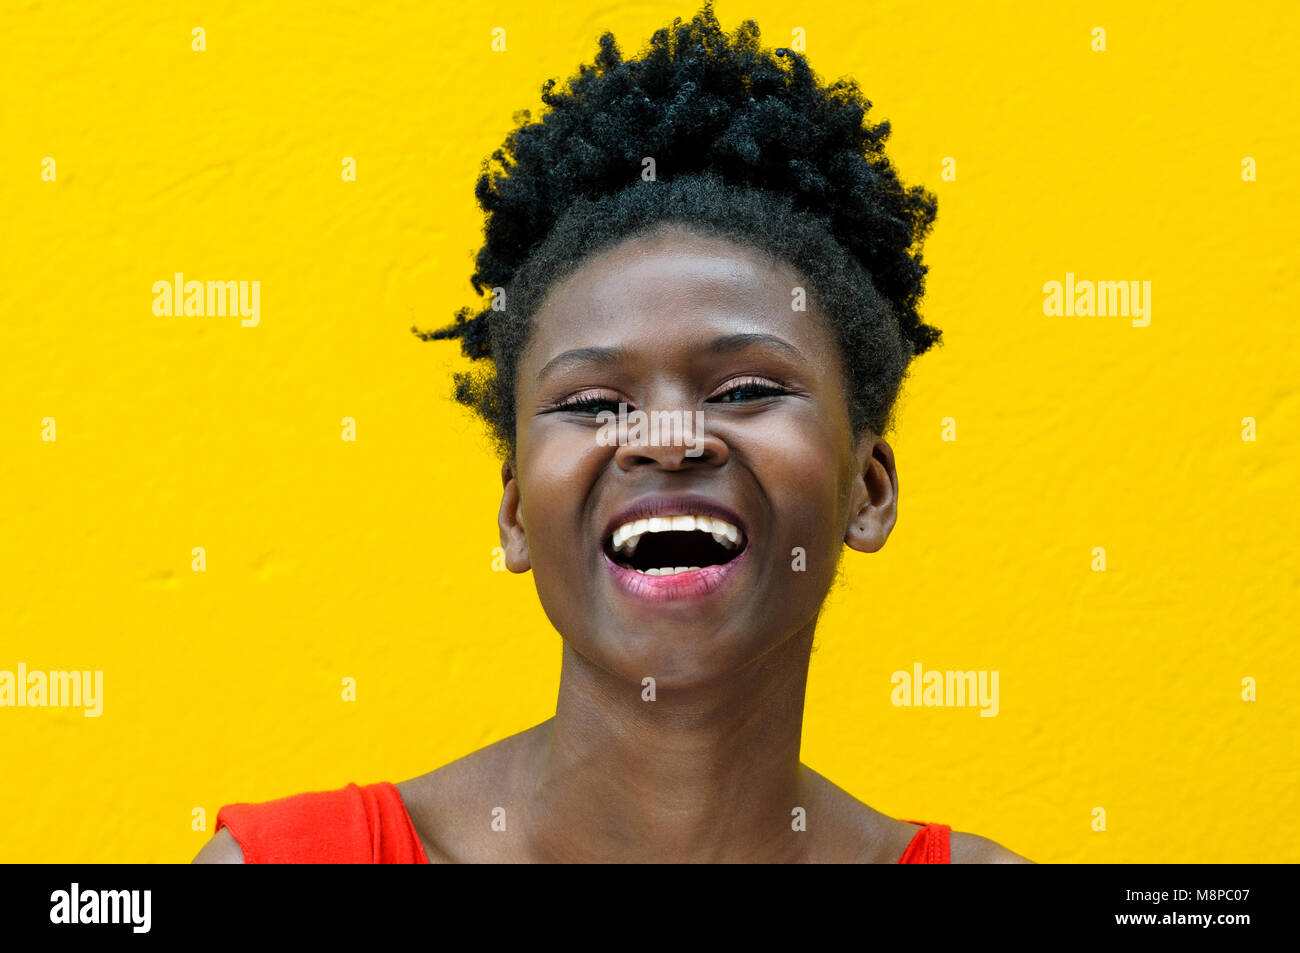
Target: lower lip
683, 585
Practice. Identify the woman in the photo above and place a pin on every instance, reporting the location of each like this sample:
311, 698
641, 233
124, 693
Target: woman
705, 231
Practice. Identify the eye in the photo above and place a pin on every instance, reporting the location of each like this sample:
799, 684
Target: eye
589, 402
750, 389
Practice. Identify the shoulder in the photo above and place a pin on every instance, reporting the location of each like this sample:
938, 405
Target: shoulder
973, 849
895, 840
858, 832
453, 807
221, 849
311, 827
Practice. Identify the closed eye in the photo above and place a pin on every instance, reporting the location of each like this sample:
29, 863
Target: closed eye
594, 402
747, 390
590, 403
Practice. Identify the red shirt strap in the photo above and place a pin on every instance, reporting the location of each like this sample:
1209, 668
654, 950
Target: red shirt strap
930, 845
352, 825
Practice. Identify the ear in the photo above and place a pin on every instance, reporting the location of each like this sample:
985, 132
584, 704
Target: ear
510, 520
874, 496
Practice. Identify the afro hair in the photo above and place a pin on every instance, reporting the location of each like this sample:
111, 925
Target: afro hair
746, 144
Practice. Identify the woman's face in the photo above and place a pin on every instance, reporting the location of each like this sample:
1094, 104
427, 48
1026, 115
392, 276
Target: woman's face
682, 322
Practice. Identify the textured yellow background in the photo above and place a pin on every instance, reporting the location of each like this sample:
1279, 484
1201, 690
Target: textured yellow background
372, 559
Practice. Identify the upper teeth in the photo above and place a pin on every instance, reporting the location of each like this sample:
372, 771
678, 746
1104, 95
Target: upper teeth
628, 535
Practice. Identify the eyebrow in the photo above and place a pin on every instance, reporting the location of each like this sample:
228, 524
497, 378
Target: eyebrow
728, 344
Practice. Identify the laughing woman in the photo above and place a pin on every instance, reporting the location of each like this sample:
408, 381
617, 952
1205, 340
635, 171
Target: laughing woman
709, 230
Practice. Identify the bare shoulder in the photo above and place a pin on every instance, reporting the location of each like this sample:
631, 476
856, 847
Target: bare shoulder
973, 849
221, 849
863, 835
452, 807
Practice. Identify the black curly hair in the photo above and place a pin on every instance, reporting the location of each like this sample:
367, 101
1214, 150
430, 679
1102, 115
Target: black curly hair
747, 145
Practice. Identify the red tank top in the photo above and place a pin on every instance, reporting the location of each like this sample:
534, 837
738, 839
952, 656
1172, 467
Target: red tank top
370, 825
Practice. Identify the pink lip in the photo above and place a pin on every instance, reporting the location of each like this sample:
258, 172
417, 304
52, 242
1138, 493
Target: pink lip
685, 585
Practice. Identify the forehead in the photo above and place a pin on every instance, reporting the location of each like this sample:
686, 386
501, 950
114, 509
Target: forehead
672, 289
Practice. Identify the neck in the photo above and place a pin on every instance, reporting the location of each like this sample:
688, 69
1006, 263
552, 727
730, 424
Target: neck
707, 774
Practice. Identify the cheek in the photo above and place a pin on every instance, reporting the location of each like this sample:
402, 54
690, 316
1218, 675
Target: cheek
801, 469
557, 472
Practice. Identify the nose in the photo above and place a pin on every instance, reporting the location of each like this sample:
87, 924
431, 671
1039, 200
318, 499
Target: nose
672, 445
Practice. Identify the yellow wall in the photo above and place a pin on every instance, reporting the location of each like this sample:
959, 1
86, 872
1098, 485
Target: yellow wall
372, 559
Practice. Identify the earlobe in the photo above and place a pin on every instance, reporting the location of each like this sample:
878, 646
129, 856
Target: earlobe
510, 522
875, 498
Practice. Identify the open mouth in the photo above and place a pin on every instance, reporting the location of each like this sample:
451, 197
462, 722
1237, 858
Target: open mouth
671, 545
